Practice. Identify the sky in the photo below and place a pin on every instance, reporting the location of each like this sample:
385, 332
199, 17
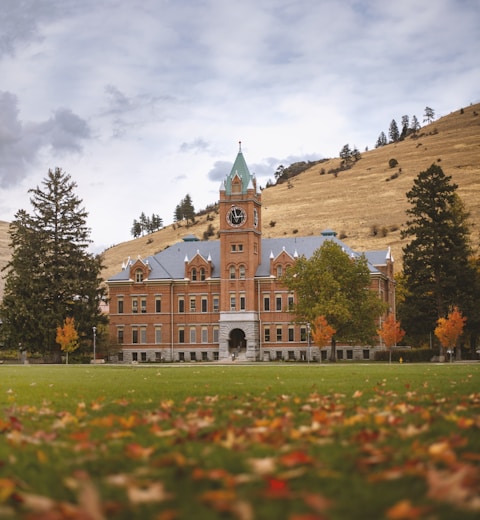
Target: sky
144, 101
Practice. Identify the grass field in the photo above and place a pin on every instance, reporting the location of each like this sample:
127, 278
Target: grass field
243, 442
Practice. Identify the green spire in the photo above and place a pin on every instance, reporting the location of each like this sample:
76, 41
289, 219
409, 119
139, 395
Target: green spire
239, 169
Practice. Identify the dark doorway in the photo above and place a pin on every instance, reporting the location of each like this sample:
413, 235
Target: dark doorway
237, 342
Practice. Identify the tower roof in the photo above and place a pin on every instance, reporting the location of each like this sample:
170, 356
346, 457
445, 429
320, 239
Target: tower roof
240, 170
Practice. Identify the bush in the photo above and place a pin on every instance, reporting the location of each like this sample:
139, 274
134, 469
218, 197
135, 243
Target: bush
392, 163
414, 355
272, 223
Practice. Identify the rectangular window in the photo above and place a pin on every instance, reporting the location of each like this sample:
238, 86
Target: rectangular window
143, 356
181, 305
158, 357
233, 303
279, 271
120, 336
242, 302
204, 335
303, 333
193, 335
234, 248
158, 304
216, 334
291, 334
158, 335
134, 335
143, 335
266, 334
134, 356
120, 306
193, 356
181, 335
134, 305
240, 247
204, 305
204, 356
349, 354
366, 353
278, 303
216, 303
279, 333
266, 303
193, 304
143, 305
339, 354
290, 303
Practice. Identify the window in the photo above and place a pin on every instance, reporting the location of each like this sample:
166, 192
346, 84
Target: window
266, 334
291, 355
216, 332
204, 356
193, 335
204, 304
366, 353
181, 356
194, 275
303, 333
138, 276
290, 302
291, 334
202, 274
158, 304
241, 272
266, 303
181, 305
279, 271
240, 247
232, 272
204, 335
143, 305
143, 356
216, 303
278, 303
349, 354
233, 303
134, 305
120, 356
134, 356
193, 304
339, 354
158, 357
134, 335
233, 248
193, 356
181, 335
279, 333
120, 305
120, 333
242, 302
143, 335
158, 335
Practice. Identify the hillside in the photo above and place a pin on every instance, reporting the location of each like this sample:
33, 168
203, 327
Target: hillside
353, 203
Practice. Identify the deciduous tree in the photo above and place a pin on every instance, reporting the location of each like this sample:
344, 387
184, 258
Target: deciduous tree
391, 333
67, 336
334, 285
449, 329
322, 332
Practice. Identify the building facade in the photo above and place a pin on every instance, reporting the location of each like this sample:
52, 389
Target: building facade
223, 299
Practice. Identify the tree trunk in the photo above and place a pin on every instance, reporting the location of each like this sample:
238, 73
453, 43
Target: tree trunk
333, 351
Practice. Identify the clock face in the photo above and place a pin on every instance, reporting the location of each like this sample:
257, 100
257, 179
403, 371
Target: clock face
236, 216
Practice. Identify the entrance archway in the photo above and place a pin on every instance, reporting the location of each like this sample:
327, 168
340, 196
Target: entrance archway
237, 342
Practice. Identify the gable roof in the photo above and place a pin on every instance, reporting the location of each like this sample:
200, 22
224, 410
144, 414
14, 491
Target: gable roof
169, 264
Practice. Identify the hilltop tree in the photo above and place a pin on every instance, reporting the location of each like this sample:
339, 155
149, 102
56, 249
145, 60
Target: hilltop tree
429, 115
437, 273
393, 132
381, 141
415, 125
185, 210
336, 286
50, 275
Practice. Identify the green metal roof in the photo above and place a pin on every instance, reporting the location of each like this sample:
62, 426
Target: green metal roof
241, 170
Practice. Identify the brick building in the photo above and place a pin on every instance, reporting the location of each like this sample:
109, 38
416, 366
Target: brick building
208, 300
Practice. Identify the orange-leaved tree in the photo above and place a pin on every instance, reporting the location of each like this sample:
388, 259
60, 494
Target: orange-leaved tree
391, 333
449, 329
322, 332
67, 336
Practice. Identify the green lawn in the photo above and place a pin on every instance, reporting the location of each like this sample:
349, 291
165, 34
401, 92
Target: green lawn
204, 441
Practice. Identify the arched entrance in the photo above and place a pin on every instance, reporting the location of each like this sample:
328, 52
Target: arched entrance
237, 342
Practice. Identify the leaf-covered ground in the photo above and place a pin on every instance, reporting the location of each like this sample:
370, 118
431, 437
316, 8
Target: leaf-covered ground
243, 442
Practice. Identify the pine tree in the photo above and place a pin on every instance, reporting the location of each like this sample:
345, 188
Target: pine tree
429, 115
393, 132
50, 275
415, 125
437, 273
381, 141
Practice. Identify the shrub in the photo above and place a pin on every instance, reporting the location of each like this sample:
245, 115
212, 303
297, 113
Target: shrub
392, 163
414, 355
272, 223
374, 230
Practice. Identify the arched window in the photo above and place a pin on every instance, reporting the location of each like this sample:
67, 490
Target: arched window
241, 271
194, 275
202, 274
232, 272
138, 276
279, 271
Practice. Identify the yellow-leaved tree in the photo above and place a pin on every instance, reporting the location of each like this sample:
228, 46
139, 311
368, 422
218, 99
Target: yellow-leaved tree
449, 329
391, 333
67, 336
322, 332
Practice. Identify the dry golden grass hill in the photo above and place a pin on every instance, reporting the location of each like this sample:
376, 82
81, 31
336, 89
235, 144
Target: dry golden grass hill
354, 203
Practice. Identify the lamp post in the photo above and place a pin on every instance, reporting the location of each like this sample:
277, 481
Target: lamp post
94, 344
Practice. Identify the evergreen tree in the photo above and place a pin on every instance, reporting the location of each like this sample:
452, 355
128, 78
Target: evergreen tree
381, 141
415, 125
393, 132
437, 273
335, 286
136, 230
405, 130
429, 115
50, 275
188, 211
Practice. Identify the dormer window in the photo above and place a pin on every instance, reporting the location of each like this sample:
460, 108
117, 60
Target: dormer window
279, 271
194, 275
138, 276
202, 274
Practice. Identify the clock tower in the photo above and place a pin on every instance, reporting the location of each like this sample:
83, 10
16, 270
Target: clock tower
240, 253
